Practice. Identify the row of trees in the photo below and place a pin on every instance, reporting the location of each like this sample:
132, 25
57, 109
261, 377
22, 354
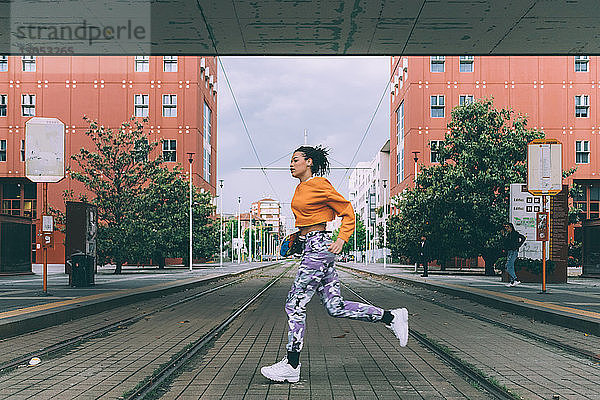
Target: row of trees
143, 206
461, 203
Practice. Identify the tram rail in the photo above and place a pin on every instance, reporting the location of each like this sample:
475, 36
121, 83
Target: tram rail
583, 353
8, 366
146, 388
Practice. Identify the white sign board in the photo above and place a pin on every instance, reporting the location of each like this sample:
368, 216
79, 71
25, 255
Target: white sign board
523, 208
238, 243
47, 223
544, 167
44, 149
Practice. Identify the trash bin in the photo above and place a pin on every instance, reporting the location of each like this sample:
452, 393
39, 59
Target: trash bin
82, 270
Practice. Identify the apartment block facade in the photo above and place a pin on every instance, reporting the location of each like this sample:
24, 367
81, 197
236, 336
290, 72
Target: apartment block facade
178, 95
559, 94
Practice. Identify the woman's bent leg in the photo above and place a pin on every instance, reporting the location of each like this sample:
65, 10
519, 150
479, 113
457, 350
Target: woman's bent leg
329, 291
306, 283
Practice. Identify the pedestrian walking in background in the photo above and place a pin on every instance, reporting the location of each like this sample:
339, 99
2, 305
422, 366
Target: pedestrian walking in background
512, 242
424, 254
316, 202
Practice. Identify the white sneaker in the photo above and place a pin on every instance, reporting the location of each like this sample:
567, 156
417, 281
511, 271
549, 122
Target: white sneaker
400, 325
281, 372
510, 284
515, 283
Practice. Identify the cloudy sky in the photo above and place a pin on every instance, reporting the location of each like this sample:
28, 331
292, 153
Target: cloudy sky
333, 98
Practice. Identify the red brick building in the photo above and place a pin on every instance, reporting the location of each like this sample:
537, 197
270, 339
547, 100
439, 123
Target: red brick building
560, 96
177, 95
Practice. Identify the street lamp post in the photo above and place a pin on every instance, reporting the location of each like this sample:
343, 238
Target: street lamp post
355, 225
221, 230
367, 230
384, 222
250, 238
416, 158
191, 159
239, 230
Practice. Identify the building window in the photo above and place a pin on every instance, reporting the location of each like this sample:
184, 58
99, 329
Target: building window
400, 143
141, 149
29, 200
437, 63
11, 198
465, 99
142, 63
28, 105
169, 105
22, 150
3, 63
582, 106
435, 146
141, 105
582, 152
3, 105
207, 165
28, 63
170, 63
465, 63
207, 123
594, 201
581, 63
437, 106
170, 150
2, 150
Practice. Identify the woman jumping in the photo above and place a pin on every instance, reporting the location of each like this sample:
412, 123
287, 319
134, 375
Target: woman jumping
314, 203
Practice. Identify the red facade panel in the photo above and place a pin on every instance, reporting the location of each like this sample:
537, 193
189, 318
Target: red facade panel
103, 88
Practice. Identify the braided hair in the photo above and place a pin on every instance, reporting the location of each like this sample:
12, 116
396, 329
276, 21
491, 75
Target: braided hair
318, 154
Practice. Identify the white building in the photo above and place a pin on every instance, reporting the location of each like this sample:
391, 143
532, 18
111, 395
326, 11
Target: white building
369, 188
270, 211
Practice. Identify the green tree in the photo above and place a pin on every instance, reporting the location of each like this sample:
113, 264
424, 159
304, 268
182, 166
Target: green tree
163, 219
142, 205
462, 203
359, 231
115, 170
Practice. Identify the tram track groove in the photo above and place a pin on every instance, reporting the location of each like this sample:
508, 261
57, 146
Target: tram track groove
520, 331
170, 368
63, 345
469, 372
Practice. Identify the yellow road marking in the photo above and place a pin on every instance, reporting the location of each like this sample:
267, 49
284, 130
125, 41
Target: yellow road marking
49, 306
518, 299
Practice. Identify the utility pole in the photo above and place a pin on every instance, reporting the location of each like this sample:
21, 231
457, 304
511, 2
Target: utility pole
367, 229
238, 231
416, 158
250, 238
191, 159
221, 230
384, 223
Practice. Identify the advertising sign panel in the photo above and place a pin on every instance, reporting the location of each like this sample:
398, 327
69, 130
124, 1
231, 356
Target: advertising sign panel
542, 224
523, 210
44, 149
544, 167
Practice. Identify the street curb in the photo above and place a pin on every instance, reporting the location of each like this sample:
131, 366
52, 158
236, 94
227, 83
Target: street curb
19, 325
580, 323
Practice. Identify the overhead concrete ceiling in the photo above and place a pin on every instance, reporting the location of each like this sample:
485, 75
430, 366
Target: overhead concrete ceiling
378, 27
329, 27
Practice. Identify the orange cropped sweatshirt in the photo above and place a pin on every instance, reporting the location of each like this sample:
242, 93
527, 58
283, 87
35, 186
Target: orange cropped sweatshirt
315, 201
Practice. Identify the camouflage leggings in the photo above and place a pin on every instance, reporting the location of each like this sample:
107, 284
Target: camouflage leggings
317, 273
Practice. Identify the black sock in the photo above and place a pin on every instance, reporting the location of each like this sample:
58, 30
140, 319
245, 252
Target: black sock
387, 317
293, 358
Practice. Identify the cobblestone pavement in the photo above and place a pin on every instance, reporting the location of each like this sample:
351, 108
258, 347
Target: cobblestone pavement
108, 366
527, 367
342, 359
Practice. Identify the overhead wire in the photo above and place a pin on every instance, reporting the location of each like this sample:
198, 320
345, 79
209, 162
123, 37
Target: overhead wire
212, 39
383, 95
